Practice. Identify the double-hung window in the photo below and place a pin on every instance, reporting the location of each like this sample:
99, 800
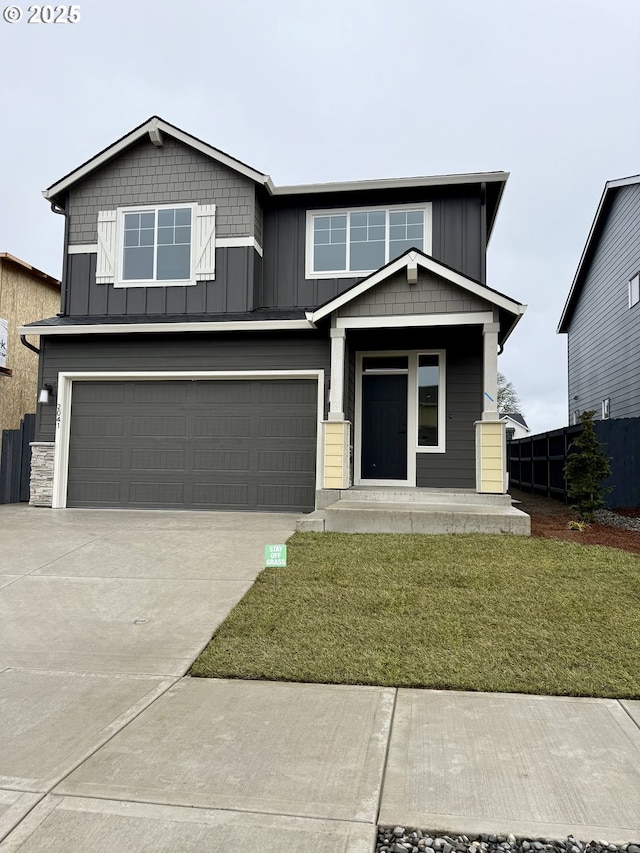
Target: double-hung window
347, 243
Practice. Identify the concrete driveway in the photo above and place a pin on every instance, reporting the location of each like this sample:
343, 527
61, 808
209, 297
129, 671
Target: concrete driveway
104, 745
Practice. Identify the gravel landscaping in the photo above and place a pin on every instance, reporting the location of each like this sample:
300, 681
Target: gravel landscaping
399, 839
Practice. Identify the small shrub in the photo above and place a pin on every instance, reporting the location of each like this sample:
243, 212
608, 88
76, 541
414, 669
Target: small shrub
585, 469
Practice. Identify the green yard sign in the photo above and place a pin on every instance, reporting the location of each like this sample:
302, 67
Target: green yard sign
275, 555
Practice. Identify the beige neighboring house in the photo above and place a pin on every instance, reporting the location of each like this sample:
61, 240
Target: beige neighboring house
26, 294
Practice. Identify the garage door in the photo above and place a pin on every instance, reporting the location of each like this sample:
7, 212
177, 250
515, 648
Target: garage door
232, 444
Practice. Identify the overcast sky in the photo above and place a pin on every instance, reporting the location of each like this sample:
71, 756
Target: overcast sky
330, 90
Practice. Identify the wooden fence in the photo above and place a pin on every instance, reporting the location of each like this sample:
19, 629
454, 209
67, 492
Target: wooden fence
536, 463
15, 461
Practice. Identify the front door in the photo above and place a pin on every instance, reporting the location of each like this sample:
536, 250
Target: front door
384, 426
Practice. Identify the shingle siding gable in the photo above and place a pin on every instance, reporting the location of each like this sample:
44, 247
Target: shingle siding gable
174, 173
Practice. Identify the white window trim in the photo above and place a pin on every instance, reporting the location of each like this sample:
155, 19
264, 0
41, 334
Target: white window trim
412, 414
341, 211
65, 394
634, 279
119, 259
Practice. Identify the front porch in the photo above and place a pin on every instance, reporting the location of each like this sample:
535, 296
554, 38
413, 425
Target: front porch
367, 509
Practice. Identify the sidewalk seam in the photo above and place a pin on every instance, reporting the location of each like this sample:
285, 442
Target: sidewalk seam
386, 754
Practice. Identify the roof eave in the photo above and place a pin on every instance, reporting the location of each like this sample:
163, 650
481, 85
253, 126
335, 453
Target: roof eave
567, 311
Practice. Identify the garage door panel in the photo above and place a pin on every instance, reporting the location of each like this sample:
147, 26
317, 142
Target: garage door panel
284, 496
215, 425
101, 393
154, 460
159, 394
287, 391
220, 460
159, 494
284, 460
231, 495
149, 426
100, 426
105, 493
225, 448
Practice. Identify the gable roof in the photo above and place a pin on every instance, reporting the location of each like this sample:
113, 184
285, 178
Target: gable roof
599, 220
516, 418
154, 127
33, 271
410, 261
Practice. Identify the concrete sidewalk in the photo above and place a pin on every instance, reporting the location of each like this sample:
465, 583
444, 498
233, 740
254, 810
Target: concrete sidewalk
132, 756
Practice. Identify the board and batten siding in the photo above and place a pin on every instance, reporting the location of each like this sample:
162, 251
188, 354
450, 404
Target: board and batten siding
194, 352
456, 241
237, 277
604, 333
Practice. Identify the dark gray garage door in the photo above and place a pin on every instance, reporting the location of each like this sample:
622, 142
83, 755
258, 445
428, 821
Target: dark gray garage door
226, 444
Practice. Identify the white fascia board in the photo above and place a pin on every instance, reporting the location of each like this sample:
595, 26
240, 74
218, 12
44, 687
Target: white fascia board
393, 183
397, 321
137, 328
221, 243
429, 264
153, 124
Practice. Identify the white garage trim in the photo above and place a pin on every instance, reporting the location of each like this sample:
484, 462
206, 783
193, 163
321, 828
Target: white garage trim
65, 393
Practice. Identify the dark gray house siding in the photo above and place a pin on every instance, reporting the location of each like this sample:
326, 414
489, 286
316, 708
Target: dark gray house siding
603, 332
456, 468
238, 273
200, 351
144, 174
456, 241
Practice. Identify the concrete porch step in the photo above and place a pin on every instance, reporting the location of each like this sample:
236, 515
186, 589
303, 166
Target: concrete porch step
351, 516
408, 494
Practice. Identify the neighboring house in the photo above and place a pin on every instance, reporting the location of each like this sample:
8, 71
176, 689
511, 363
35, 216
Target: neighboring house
228, 344
516, 426
26, 294
601, 317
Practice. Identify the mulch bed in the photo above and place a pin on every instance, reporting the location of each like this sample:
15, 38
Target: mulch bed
550, 519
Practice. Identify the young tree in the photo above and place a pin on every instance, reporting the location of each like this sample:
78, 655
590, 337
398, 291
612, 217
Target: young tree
508, 400
585, 469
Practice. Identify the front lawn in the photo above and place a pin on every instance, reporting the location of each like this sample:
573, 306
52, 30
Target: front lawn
473, 612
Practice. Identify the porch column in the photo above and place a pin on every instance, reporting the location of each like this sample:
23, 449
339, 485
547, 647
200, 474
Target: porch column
490, 371
336, 389
337, 431
490, 431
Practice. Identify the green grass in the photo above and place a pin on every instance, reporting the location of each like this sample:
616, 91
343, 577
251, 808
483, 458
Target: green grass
474, 612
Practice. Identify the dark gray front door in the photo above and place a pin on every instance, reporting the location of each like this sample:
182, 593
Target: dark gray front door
384, 427
233, 444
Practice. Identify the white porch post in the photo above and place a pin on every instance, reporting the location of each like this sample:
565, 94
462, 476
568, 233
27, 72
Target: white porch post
337, 431
490, 430
490, 371
336, 390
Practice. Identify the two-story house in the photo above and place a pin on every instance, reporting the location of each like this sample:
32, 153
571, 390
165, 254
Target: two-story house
601, 317
224, 343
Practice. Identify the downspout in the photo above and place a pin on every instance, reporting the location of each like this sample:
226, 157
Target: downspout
483, 232
63, 296
25, 343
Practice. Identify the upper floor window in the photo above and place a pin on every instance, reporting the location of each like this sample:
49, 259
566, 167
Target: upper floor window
634, 290
344, 243
159, 245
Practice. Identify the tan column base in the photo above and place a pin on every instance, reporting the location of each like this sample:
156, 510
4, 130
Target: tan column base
336, 443
491, 466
